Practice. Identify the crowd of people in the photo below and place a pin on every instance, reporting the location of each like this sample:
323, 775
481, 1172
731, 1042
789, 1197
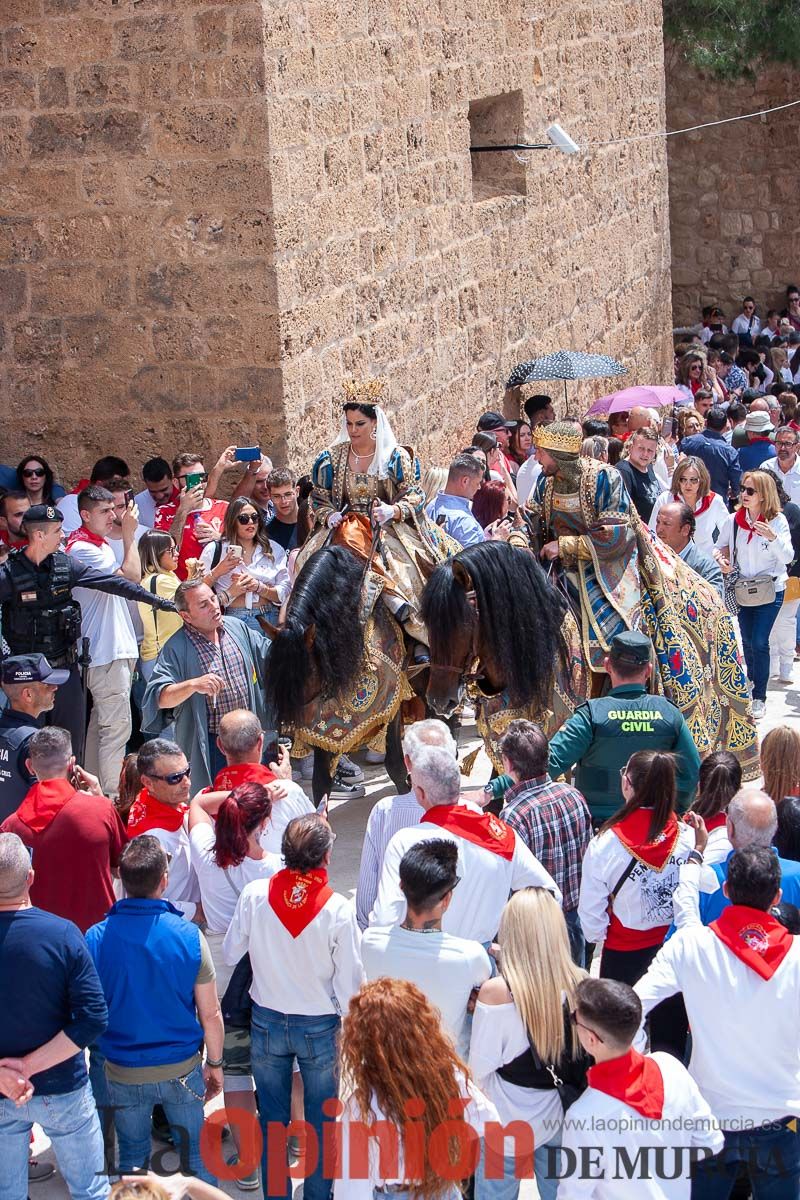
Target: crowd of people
585, 968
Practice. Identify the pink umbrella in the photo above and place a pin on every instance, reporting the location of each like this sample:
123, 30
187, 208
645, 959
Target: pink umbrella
635, 397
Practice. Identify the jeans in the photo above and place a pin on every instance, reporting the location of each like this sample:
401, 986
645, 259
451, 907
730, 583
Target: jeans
667, 1022
250, 616
772, 1155
577, 942
182, 1100
71, 1122
756, 626
216, 759
546, 1168
277, 1039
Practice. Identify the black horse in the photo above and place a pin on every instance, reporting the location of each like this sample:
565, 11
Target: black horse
318, 657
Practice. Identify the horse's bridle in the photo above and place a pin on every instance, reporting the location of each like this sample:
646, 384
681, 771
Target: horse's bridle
468, 671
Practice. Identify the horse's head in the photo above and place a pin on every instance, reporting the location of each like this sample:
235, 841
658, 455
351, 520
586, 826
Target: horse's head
450, 613
293, 678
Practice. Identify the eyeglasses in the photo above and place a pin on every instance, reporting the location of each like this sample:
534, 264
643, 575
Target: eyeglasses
748, 491
174, 776
34, 473
247, 519
786, 445
623, 772
573, 1017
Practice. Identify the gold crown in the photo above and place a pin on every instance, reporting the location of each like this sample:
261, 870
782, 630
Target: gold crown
560, 435
364, 391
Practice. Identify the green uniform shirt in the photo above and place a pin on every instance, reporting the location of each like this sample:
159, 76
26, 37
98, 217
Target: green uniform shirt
602, 734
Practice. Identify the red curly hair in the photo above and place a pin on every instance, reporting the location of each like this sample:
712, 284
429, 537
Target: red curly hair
393, 1050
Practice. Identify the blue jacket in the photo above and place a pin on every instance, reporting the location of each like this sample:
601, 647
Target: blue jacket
712, 903
723, 463
148, 958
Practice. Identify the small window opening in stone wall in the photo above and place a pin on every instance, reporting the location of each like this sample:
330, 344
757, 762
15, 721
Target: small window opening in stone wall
496, 121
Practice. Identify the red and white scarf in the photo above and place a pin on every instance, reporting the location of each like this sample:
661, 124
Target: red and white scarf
633, 830
83, 534
44, 802
297, 897
482, 829
755, 937
148, 813
634, 1079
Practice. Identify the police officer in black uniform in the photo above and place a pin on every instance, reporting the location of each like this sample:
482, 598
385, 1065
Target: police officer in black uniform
39, 615
30, 684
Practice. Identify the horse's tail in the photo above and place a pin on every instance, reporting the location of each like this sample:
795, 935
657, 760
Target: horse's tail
288, 668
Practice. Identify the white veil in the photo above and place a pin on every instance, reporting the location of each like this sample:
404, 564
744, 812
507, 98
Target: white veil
385, 442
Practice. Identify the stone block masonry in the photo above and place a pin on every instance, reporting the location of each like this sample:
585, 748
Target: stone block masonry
733, 191
211, 212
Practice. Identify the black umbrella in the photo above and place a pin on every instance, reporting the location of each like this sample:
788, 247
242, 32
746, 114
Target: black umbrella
565, 364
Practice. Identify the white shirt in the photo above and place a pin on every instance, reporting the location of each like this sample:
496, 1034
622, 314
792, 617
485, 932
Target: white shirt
758, 556
618, 1134
498, 1037
147, 508
745, 1029
118, 546
389, 815
486, 881
645, 899
271, 571
743, 324
527, 477
444, 967
312, 975
182, 888
348, 1186
789, 479
220, 889
709, 525
106, 619
68, 507
717, 850
296, 804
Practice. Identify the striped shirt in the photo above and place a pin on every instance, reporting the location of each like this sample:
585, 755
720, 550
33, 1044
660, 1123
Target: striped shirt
554, 822
225, 659
387, 817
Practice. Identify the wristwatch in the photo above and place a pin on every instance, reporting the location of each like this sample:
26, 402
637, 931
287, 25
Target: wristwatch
696, 857
214, 1065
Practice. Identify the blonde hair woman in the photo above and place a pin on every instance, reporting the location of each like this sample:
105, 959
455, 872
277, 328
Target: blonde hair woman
780, 762
757, 542
522, 1036
691, 483
689, 422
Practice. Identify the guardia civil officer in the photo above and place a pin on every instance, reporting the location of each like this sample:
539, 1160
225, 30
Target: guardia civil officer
39, 615
602, 734
29, 683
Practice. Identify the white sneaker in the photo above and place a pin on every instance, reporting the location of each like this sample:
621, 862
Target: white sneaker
373, 757
786, 676
759, 709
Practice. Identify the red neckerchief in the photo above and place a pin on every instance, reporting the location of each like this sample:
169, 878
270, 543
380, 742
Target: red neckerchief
743, 521
297, 897
702, 506
148, 813
755, 937
230, 777
632, 832
482, 829
80, 486
45, 801
85, 535
635, 1079
5, 538
716, 822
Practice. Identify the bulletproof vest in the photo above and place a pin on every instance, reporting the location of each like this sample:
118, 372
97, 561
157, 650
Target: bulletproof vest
42, 617
622, 724
13, 786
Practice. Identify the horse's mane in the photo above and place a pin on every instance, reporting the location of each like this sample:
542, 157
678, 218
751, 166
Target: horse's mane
325, 595
521, 617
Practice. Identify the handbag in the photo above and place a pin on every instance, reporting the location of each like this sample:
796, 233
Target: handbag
755, 591
792, 592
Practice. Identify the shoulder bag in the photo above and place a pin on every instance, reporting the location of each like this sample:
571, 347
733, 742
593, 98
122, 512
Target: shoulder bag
755, 591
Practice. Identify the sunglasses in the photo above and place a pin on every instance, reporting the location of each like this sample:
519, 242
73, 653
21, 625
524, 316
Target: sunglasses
748, 491
34, 472
573, 1018
247, 519
174, 776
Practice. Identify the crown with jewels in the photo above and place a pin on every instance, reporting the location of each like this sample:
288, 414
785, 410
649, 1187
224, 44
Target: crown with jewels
563, 436
363, 391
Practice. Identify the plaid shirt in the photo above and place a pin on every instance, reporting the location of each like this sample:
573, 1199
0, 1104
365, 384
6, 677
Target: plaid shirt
553, 820
226, 660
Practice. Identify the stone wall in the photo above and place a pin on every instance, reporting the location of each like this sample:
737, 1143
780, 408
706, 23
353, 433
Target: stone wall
211, 213
733, 191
